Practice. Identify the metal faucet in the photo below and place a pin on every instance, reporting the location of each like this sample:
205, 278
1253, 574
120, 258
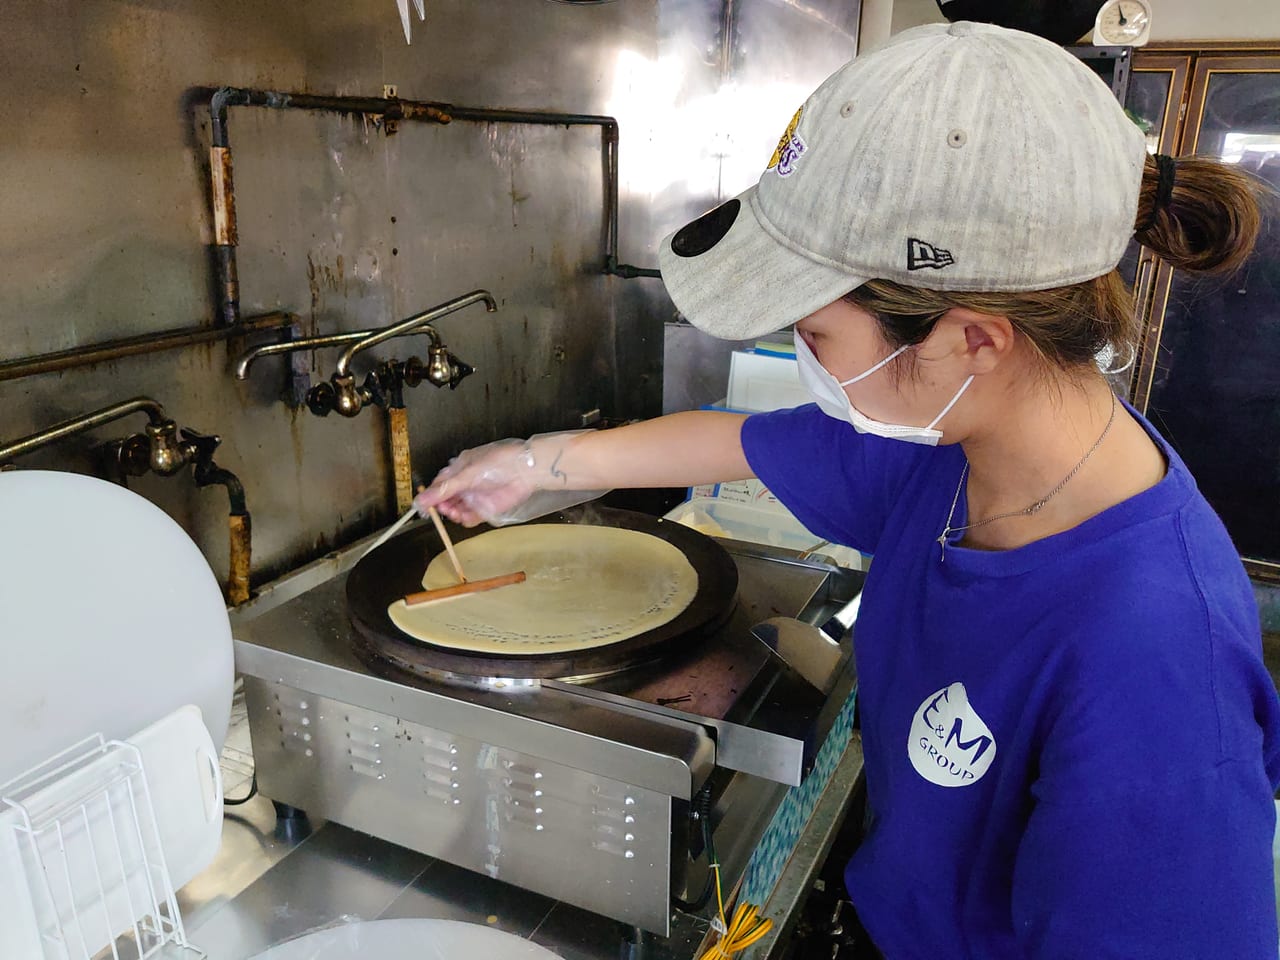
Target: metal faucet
289, 346
413, 323
341, 393
160, 424
442, 367
165, 450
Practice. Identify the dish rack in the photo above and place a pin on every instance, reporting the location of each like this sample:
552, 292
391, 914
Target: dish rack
82, 869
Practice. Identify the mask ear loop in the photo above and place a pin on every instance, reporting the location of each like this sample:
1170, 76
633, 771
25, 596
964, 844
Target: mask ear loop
867, 373
947, 409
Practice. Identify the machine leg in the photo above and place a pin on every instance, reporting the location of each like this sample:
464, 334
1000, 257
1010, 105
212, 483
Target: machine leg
635, 944
292, 825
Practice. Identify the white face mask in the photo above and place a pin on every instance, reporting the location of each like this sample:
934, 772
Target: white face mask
829, 394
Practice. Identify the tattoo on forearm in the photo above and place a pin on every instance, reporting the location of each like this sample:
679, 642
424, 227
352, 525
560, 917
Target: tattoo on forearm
559, 474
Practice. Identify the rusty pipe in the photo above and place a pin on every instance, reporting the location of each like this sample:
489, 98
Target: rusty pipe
82, 423
137, 346
223, 194
411, 324
239, 527
238, 578
401, 464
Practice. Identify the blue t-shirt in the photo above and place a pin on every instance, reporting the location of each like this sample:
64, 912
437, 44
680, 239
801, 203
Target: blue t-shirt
1071, 747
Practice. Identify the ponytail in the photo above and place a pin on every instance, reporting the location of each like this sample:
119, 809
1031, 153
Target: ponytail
1198, 214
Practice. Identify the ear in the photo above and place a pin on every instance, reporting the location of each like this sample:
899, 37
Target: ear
984, 339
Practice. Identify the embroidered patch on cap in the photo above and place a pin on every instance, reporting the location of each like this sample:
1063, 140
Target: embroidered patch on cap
790, 149
696, 238
921, 255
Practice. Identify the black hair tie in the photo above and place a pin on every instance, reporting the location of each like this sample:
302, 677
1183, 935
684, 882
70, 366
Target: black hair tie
1167, 169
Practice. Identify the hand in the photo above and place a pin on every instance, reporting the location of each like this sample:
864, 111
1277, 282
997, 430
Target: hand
483, 482
509, 481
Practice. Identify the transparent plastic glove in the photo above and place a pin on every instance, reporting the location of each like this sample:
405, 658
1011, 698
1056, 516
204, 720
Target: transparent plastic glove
504, 482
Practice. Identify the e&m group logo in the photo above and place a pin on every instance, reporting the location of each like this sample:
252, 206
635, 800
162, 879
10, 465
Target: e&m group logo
949, 744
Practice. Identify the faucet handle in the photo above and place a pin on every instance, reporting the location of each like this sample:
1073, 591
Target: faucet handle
460, 371
202, 445
320, 398
128, 457
414, 371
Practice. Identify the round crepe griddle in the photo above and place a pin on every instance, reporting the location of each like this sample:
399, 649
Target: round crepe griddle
395, 569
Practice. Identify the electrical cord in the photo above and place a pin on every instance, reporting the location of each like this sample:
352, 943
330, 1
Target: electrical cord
702, 808
250, 795
746, 928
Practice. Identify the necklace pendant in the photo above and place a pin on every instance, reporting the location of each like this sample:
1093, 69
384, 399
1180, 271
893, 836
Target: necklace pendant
942, 543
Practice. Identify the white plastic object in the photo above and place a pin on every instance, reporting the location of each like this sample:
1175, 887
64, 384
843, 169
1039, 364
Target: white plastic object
408, 940
419, 5
82, 868
717, 517
185, 781
109, 617
764, 381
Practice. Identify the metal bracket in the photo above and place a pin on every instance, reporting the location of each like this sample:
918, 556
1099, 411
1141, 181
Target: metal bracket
738, 747
804, 649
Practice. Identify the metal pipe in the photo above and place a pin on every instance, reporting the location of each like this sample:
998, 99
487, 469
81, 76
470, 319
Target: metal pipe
222, 192
239, 526
312, 343
543, 117
390, 109
211, 473
291, 346
411, 323
401, 464
137, 346
238, 576
79, 424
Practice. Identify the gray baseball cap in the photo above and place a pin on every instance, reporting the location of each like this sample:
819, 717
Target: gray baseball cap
959, 156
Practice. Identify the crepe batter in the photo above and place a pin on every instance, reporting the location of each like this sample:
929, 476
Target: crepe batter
586, 587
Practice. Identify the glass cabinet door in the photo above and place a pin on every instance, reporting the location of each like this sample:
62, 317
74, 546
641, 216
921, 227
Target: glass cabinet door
1210, 373
1157, 88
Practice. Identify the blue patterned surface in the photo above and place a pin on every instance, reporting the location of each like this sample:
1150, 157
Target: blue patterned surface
793, 814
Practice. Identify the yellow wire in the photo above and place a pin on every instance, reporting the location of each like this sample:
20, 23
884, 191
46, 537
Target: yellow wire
747, 927
719, 898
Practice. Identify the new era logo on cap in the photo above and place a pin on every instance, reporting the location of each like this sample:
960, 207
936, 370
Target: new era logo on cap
921, 255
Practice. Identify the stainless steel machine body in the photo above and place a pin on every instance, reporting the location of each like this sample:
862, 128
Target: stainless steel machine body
576, 792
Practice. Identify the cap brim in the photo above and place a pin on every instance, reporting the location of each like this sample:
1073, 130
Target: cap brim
748, 282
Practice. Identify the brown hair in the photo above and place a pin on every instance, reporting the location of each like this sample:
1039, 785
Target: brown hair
1208, 225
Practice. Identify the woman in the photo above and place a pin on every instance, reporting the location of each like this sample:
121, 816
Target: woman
1071, 742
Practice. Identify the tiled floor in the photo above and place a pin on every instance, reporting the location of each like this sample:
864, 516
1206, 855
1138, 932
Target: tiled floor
237, 751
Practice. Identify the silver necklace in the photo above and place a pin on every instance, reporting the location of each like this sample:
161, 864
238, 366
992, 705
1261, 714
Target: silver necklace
1035, 507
